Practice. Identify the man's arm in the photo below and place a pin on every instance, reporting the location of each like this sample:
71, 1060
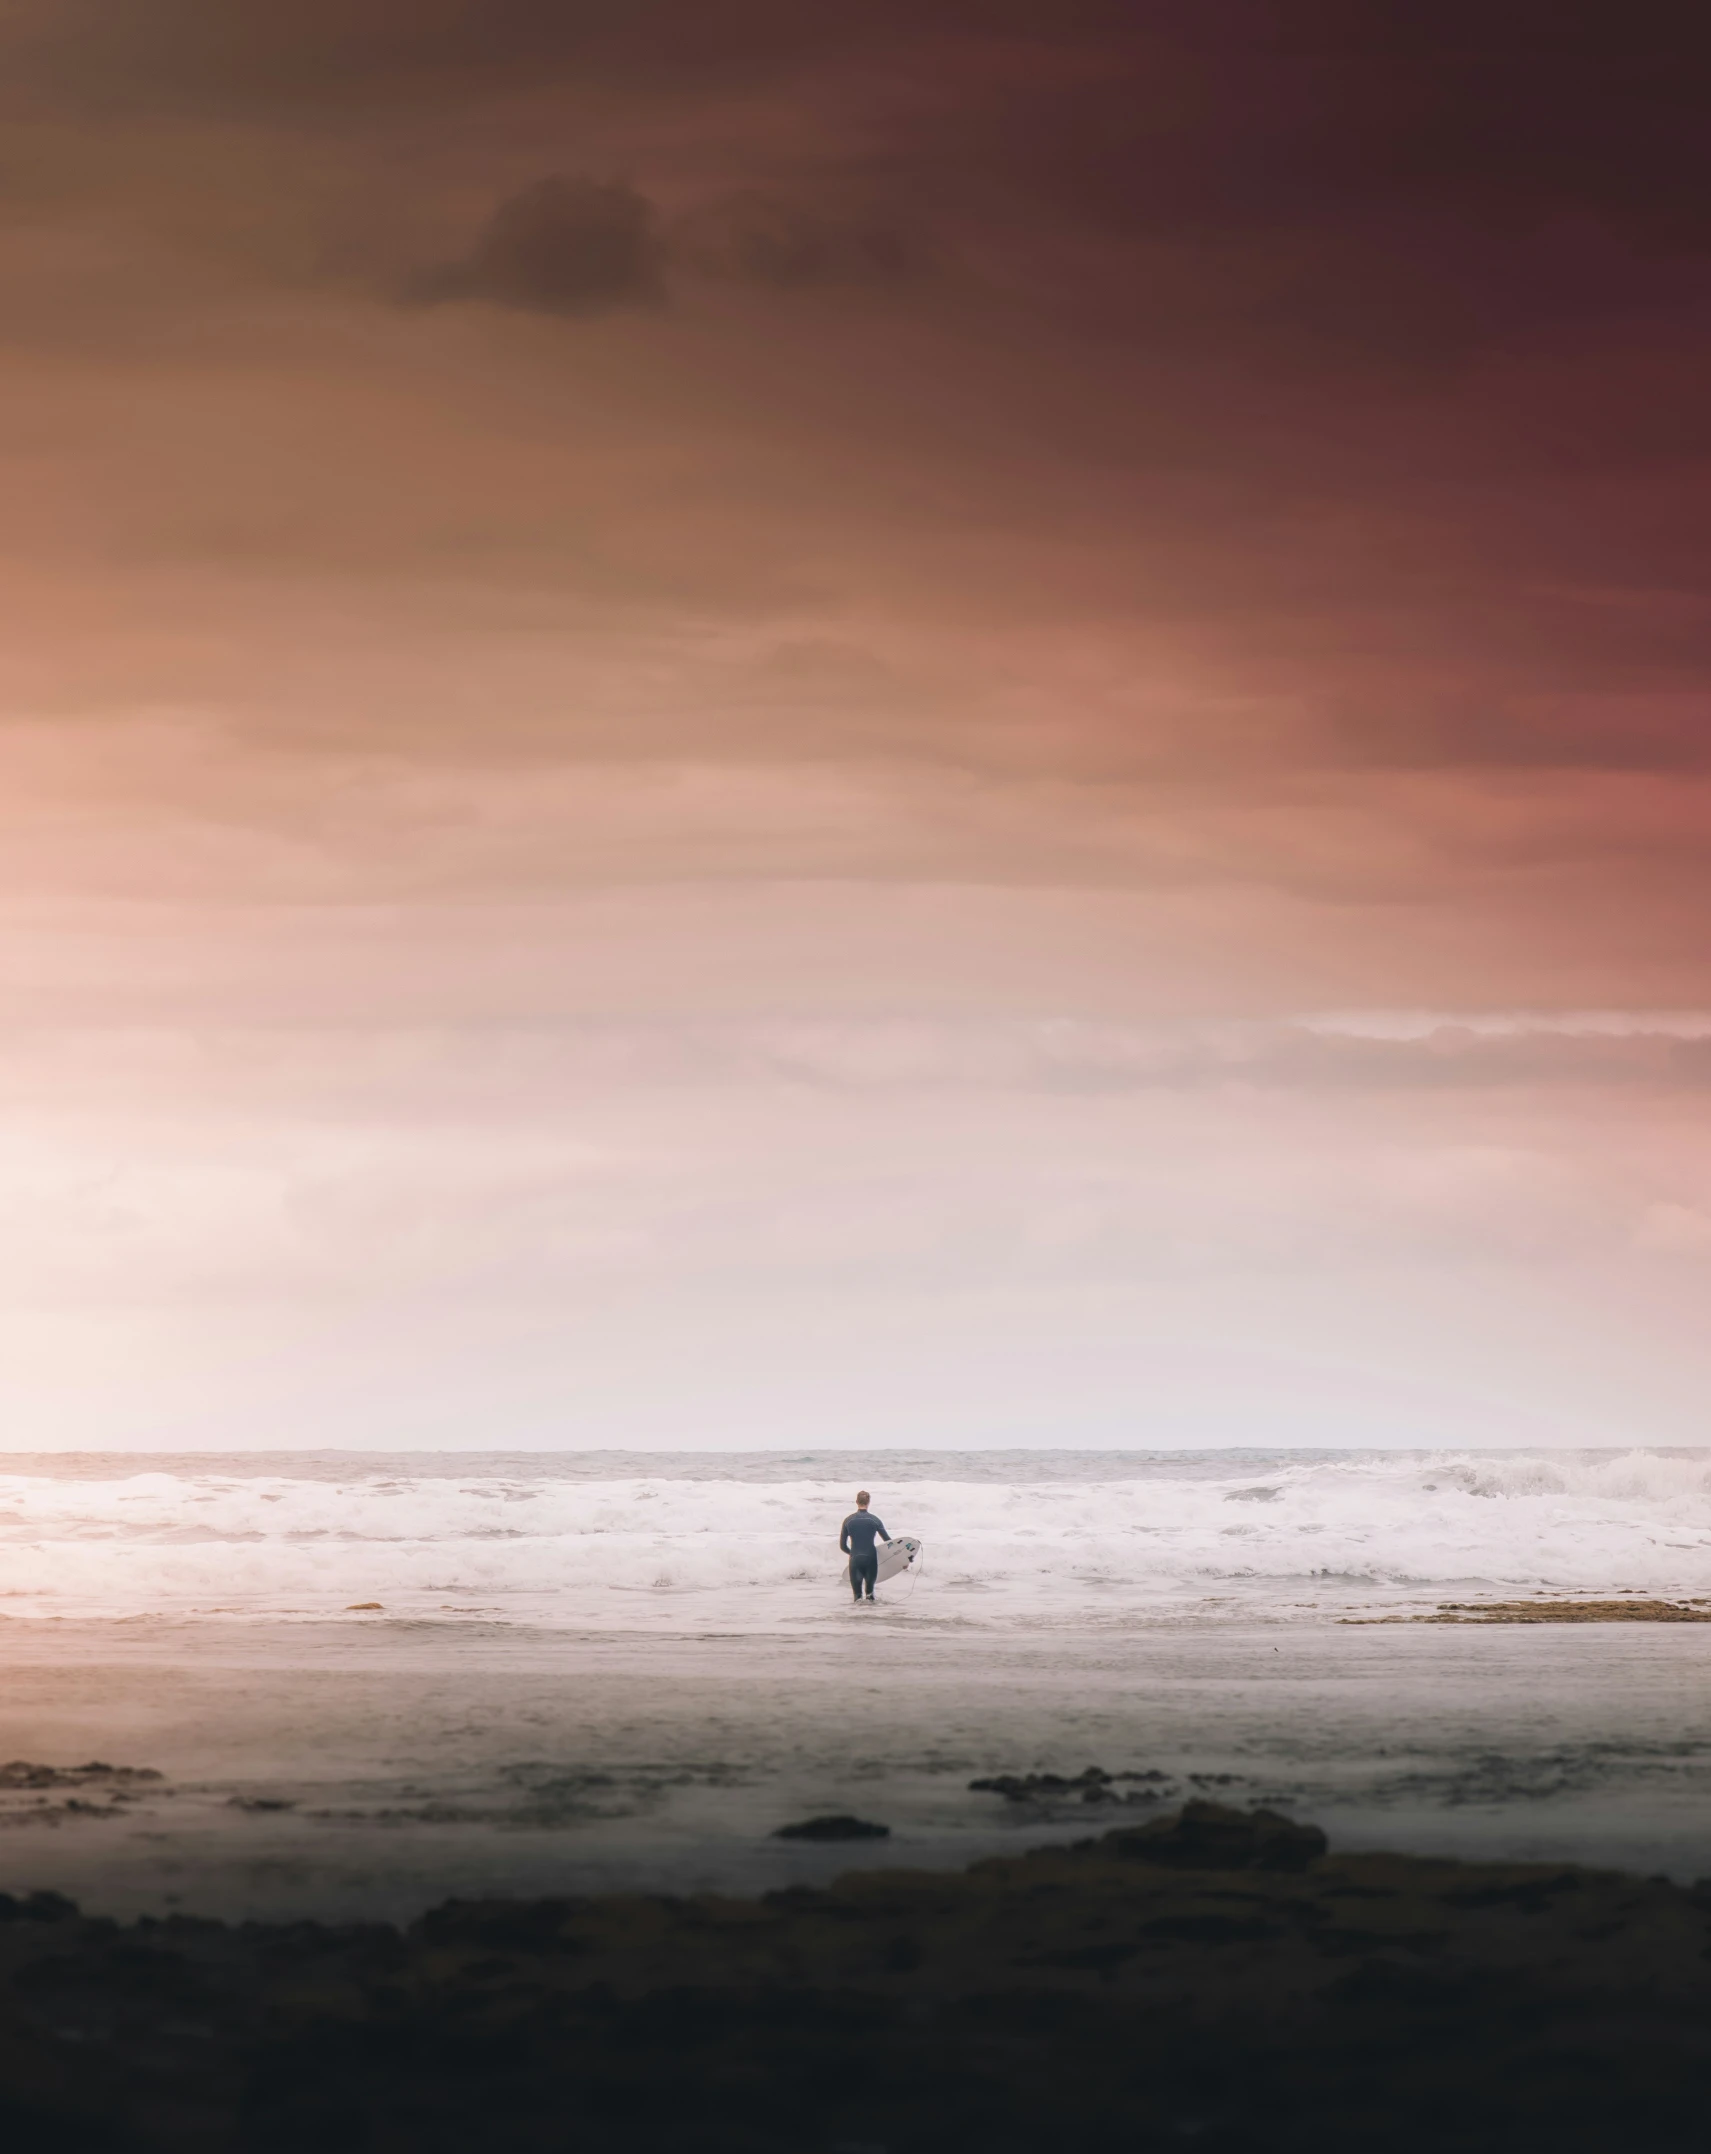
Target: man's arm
880, 1530
844, 1538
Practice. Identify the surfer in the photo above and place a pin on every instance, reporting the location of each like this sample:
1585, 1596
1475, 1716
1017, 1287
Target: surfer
858, 1541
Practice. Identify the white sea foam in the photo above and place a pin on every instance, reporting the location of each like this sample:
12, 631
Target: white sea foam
630, 1542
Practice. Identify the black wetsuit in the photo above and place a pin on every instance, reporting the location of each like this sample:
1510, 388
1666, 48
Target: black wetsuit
861, 1532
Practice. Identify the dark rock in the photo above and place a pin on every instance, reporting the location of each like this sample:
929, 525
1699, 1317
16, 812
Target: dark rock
1564, 1611
21, 1773
37, 1907
501, 1925
1530, 1894
833, 1828
1093, 1785
1213, 1991
1211, 1836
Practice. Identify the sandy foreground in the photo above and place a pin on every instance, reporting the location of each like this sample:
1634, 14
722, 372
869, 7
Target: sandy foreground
1212, 1978
393, 1886
373, 1770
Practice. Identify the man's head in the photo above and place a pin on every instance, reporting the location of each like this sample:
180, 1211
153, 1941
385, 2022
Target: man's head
862, 1499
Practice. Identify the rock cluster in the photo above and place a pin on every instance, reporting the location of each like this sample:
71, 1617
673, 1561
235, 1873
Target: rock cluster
1092, 1786
841, 1827
1212, 1979
32, 1794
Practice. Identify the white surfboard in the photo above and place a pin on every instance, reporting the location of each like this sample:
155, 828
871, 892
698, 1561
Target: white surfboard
901, 1553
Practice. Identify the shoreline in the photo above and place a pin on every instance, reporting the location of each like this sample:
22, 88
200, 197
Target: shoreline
797, 1624
1212, 1977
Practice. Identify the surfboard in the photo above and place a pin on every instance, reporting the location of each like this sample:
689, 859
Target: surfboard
897, 1555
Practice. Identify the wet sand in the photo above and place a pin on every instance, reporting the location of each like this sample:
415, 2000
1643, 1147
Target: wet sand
372, 1769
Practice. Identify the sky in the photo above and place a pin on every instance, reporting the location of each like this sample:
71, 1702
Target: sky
736, 724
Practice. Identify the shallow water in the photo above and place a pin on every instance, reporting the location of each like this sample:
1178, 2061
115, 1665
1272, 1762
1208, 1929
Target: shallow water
595, 1672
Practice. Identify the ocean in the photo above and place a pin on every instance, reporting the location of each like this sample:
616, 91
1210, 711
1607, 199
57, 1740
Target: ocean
662, 1542
365, 1683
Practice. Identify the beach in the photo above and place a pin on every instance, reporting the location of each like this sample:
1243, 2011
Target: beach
569, 1802
556, 1694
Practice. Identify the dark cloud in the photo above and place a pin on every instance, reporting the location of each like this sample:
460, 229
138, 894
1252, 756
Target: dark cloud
1350, 186
566, 245
1356, 355
764, 239
1202, 116
572, 245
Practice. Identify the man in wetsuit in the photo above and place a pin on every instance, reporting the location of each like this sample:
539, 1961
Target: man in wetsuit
858, 1541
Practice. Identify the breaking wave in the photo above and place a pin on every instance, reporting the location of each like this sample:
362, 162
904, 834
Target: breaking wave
611, 1541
